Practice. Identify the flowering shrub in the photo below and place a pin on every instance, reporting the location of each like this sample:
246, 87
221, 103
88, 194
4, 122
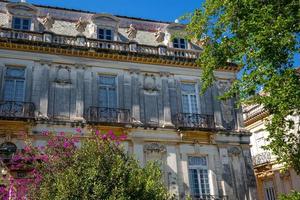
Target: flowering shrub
99, 169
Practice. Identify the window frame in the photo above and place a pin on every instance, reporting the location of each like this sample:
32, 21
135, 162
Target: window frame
15, 79
107, 87
269, 190
105, 33
189, 97
21, 23
179, 43
198, 168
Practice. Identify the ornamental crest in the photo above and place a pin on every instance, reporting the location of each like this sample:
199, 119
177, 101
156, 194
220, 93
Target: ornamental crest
154, 148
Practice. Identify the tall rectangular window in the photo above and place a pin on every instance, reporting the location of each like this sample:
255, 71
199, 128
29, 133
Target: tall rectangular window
189, 98
269, 190
179, 43
21, 23
105, 34
107, 91
198, 177
14, 84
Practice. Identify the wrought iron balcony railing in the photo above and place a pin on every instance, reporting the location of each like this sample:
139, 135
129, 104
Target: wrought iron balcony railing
108, 115
66, 41
195, 121
262, 158
209, 197
16, 109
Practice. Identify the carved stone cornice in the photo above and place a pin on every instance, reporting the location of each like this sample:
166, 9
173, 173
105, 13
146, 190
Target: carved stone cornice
103, 55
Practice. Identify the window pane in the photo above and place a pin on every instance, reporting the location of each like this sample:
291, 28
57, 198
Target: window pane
14, 84
108, 34
100, 33
9, 90
185, 104
19, 91
175, 43
26, 24
198, 177
194, 182
112, 98
103, 100
108, 94
182, 43
16, 23
194, 106
189, 98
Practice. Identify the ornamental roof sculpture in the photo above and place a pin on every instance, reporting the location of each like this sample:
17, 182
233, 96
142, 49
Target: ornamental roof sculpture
48, 22
159, 35
81, 25
132, 31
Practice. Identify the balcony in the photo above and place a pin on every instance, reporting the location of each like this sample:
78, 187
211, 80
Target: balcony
195, 121
83, 43
262, 158
108, 115
16, 110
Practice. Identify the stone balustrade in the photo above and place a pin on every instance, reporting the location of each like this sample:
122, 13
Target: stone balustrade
81, 41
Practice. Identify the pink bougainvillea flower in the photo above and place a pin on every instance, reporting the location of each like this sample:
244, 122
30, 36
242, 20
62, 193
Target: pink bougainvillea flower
104, 137
78, 130
122, 137
27, 149
110, 132
97, 132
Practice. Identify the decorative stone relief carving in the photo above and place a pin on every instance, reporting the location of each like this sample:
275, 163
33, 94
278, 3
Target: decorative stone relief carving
234, 151
63, 75
226, 105
48, 22
150, 84
159, 35
154, 148
81, 25
131, 31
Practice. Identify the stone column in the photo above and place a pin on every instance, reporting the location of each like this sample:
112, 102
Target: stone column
40, 87
135, 96
167, 120
2, 67
79, 92
88, 95
227, 182
212, 175
28, 85
172, 170
249, 174
127, 91
138, 152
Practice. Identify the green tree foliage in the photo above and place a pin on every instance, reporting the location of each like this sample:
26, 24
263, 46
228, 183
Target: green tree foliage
292, 196
261, 37
100, 170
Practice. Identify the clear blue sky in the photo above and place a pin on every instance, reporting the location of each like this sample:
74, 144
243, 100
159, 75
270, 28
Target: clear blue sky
162, 10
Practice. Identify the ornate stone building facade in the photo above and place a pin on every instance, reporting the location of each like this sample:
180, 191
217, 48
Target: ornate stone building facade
271, 181
61, 69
